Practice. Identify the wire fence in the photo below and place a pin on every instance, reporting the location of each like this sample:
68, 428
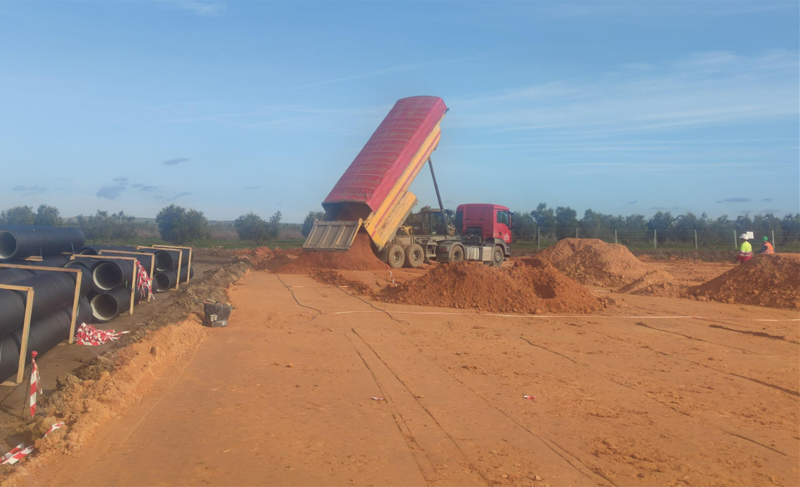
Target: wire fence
543, 237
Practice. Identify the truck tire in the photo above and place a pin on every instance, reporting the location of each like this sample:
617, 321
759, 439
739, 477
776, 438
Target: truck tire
497, 256
415, 256
395, 257
456, 253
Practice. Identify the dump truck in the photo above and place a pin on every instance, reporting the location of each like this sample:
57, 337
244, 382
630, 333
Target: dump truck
373, 195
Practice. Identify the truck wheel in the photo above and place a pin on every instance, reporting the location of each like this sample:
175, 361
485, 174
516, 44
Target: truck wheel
497, 256
415, 256
456, 253
395, 257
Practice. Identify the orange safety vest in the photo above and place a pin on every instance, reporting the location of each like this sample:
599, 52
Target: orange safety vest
767, 249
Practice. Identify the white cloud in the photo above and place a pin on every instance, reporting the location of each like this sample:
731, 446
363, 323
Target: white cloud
702, 89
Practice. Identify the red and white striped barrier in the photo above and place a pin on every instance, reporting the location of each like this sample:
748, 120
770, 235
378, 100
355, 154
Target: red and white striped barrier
89, 335
20, 451
143, 283
34, 382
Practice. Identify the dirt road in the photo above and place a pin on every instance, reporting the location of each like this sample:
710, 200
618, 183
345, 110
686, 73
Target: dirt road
655, 392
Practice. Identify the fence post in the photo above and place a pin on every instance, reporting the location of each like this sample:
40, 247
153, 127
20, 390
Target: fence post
576, 232
655, 239
539, 237
615, 236
773, 239
695, 240
735, 242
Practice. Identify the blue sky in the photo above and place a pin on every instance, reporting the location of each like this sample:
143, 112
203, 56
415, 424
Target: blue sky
229, 107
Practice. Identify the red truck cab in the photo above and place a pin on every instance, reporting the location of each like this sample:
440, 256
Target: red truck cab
492, 223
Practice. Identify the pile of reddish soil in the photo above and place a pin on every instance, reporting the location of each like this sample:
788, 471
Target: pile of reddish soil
533, 287
593, 262
655, 283
765, 280
263, 258
359, 258
327, 276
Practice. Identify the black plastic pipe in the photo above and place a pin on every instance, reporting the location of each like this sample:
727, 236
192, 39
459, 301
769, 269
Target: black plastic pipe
111, 274
44, 334
165, 259
164, 281
142, 257
20, 241
11, 275
107, 306
183, 273
86, 266
52, 290
95, 249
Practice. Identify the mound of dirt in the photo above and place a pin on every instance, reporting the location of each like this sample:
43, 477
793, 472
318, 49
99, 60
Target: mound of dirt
766, 280
533, 287
359, 258
264, 258
655, 283
593, 262
327, 276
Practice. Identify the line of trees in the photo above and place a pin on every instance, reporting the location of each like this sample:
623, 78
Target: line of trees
563, 222
175, 223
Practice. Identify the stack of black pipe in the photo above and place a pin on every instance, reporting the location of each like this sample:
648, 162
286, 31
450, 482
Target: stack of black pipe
166, 268
54, 292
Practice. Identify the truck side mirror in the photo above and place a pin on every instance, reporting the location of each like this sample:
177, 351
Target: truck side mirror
510, 220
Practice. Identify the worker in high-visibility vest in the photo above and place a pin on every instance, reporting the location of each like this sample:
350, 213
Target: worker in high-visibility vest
767, 247
746, 250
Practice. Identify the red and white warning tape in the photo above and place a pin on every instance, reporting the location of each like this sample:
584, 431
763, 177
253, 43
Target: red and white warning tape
89, 335
143, 282
34, 383
20, 451
532, 398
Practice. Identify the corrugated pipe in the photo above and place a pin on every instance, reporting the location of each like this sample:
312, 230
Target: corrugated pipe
44, 334
164, 281
10, 276
86, 266
20, 241
111, 274
52, 290
165, 259
107, 306
183, 273
95, 249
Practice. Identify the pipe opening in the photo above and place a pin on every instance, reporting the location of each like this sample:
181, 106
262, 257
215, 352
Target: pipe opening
107, 276
104, 307
8, 244
164, 261
161, 283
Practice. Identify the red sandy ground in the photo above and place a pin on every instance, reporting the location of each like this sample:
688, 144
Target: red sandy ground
657, 391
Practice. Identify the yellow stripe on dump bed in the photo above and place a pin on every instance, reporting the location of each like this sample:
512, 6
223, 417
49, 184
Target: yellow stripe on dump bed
381, 232
381, 226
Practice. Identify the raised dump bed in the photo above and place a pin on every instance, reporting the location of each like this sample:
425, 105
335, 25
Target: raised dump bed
373, 192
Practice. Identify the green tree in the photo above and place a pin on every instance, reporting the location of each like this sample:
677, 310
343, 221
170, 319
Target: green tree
253, 228
567, 221
308, 223
275, 225
104, 227
18, 215
524, 227
179, 226
48, 215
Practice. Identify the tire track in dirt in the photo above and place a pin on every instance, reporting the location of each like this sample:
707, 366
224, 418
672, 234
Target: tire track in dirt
651, 398
497, 425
